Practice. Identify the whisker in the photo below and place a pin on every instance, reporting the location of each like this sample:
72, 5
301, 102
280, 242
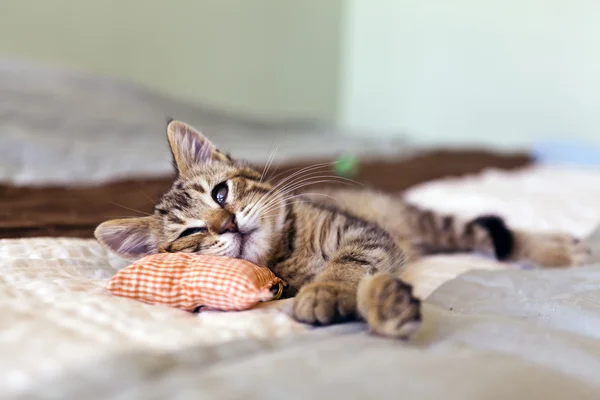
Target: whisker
298, 183
292, 202
260, 209
130, 209
266, 169
118, 216
291, 180
299, 172
146, 196
269, 163
320, 165
293, 177
286, 199
311, 181
308, 177
296, 187
311, 174
276, 168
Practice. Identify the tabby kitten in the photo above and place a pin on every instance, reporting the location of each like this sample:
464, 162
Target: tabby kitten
340, 252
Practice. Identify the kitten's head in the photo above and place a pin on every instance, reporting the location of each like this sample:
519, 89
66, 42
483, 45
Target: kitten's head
215, 206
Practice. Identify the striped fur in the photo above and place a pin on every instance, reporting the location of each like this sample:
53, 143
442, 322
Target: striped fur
340, 251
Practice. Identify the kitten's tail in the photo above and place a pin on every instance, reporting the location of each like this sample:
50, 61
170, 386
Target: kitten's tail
438, 233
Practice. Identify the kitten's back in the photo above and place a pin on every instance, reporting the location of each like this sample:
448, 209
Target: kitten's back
387, 211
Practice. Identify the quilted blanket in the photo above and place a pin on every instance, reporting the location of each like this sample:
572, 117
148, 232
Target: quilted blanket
64, 337
487, 335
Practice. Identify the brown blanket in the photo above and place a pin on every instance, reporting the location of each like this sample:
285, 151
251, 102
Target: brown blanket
76, 211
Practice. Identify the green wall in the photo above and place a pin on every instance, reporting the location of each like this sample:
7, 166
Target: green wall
275, 58
499, 72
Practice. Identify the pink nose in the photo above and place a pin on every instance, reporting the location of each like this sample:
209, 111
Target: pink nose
221, 221
229, 225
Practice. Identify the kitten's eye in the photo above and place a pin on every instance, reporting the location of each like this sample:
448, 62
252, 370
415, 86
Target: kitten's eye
219, 193
191, 231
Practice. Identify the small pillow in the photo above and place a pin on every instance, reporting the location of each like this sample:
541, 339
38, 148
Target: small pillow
189, 281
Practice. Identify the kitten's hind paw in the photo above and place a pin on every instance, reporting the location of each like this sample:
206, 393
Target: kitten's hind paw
551, 250
388, 306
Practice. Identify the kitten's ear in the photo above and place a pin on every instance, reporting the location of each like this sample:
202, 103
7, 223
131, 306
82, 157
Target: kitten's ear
129, 238
190, 147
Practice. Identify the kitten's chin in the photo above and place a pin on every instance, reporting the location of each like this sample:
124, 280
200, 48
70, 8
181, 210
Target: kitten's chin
253, 248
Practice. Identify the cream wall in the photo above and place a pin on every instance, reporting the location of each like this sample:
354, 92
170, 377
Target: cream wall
275, 58
504, 72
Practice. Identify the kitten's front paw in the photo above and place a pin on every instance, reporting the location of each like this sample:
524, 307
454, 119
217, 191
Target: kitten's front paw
389, 307
321, 303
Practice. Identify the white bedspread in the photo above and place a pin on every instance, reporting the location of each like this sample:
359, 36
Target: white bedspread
53, 303
56, 316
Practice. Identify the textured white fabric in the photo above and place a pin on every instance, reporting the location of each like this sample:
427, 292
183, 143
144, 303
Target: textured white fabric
56, 315
488, 335
539, 198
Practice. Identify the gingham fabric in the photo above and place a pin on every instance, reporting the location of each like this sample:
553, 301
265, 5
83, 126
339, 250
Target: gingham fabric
189, 281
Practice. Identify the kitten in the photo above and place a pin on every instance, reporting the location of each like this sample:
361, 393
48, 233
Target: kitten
340, 253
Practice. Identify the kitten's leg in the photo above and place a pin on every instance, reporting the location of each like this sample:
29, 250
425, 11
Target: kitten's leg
388, 305
367, 264
331, 298
549, 250
491, 236
538, 249
383, 300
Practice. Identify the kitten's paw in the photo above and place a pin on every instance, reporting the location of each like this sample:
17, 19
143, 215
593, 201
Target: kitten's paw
553, 250
321, 303
388, 306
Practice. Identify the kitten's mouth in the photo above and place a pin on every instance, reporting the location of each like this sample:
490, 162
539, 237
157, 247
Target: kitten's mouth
248, 233
245, 236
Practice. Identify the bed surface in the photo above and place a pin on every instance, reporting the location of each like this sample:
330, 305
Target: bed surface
497, 323
515, 335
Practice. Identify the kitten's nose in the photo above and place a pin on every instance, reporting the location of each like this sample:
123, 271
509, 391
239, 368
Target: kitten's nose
229, 225
221, 221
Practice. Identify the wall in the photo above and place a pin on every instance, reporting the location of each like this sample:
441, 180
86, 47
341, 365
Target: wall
504, 72
274, 58
500, 72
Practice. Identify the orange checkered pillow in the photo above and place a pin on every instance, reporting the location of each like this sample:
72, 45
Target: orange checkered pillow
188, 281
